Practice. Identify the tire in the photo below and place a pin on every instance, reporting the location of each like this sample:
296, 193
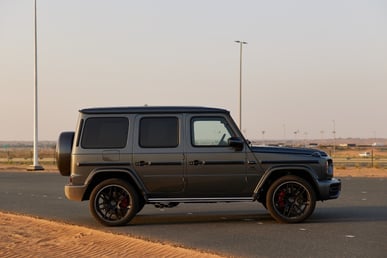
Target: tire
63, 152
290, 199
114, 202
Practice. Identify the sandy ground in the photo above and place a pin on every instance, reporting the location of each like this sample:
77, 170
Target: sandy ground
23, 236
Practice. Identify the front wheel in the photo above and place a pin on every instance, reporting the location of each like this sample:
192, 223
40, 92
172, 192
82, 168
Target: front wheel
114, 202
290, 199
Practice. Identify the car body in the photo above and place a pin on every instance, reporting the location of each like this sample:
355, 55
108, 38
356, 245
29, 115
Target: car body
121, 158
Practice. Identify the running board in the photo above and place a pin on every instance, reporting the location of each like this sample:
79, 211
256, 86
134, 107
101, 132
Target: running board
201, 200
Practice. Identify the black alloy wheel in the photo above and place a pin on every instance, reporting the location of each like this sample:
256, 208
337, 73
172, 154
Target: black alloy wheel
290, 199
114, 202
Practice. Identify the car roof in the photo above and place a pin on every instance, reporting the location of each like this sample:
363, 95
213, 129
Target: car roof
152, 109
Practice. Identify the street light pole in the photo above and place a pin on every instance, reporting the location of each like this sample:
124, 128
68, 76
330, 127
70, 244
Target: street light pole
35, 165
334, 138
240, 81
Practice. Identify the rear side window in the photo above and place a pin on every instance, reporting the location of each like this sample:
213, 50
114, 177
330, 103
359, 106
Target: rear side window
105, 133
159, 132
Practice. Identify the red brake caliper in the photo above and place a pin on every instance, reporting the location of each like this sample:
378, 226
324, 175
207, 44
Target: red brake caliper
124, 203
281, 197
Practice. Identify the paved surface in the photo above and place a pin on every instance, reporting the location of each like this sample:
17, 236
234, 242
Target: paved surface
353, 226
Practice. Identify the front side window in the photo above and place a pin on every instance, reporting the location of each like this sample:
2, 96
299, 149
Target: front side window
105, 133
159, 132
210, 132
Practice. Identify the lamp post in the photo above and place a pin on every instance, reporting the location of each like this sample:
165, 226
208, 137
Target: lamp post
240, 81
35, 165
334, 138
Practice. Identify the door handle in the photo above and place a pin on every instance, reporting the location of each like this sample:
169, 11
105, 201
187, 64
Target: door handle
141, 163
196, 162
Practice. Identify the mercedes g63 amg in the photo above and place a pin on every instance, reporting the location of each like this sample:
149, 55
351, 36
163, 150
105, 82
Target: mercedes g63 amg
123, 158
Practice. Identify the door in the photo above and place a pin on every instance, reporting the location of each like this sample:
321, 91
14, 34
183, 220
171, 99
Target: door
214, 169
158, 154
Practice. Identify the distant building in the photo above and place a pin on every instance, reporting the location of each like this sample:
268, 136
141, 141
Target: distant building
365, 154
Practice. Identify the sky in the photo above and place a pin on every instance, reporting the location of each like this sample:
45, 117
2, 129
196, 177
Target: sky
311, 67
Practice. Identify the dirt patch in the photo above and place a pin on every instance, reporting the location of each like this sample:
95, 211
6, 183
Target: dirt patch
360, 172
4, 167
23, 236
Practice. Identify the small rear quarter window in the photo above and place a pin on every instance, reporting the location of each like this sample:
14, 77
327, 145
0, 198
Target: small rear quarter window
105, 133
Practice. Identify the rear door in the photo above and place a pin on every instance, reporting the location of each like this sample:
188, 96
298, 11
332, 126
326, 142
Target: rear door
158, 153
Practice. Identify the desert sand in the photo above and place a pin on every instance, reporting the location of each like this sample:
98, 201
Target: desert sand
24, 236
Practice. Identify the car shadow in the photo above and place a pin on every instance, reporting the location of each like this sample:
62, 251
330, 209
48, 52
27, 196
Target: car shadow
201, 217
349, 214
321, 215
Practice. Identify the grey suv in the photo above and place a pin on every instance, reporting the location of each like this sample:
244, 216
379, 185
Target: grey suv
123, 158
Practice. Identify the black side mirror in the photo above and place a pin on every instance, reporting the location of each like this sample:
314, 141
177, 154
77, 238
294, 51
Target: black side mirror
236, 142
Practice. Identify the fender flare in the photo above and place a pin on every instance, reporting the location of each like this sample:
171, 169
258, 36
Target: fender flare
90, 180
288, 169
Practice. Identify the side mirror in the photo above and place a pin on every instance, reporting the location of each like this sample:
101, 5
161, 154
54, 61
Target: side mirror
236, 142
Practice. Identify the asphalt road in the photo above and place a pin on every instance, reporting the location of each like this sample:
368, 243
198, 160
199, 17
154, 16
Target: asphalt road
355, 225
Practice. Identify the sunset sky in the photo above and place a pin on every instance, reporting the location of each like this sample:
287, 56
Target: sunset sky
308, 65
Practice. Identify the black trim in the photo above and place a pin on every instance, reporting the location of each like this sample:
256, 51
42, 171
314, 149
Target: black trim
86, 164
171, 163
152, 110
80, 130
202, 200
290, 162
232, 162
287, 150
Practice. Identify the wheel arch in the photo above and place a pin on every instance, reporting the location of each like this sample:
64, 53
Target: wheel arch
273, 174
99, 175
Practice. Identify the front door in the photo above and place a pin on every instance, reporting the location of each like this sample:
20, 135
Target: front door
214, 169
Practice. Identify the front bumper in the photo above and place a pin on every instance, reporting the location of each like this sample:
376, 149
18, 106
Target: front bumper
329, 189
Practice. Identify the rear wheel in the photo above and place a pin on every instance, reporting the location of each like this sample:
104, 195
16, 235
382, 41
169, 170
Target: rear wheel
290, 199
114, 202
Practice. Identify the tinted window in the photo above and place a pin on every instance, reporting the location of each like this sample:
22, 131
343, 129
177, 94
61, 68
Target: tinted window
210, 132
159, 132
105, 133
